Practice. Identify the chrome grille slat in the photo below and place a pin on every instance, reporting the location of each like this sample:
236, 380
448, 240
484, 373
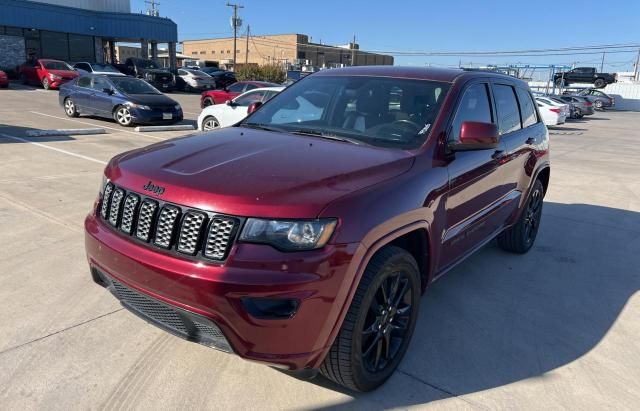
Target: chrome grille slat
114, 208
218, 237
106, 196
190, 232
165, 226
145, 219
129, 212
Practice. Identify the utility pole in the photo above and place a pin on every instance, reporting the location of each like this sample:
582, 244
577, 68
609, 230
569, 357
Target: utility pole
235, 25
246, 51
602, 64
635, 69
353, 51
152, 10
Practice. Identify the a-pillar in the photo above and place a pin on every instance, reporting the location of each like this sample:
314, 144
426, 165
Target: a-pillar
144, 45
173, 62
154, 51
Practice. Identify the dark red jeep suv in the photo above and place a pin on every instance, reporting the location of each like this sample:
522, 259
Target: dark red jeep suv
304, 236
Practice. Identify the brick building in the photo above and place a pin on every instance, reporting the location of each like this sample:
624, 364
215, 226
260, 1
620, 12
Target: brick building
280, 49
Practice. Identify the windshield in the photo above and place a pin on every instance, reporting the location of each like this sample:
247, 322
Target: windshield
130, 85
57, 65
104, 68
147, 64
381, 111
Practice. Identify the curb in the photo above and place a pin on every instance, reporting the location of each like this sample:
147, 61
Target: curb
142, 129
65, 132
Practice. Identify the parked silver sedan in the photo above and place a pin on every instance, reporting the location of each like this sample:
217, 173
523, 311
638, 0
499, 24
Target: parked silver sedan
194, 80
584, 106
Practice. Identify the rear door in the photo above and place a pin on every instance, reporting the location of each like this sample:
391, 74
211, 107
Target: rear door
475, 181
521, 131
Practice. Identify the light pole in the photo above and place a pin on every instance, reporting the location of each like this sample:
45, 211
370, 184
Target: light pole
235, 25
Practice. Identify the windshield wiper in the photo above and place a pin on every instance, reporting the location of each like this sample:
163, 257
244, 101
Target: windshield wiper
317, 133
259, 126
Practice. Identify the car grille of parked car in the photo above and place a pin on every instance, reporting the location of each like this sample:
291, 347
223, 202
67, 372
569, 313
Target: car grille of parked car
186, 231
186, 325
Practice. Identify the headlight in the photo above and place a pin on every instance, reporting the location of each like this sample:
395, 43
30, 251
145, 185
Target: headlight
177, 107
55, 77
290, 235
139, 106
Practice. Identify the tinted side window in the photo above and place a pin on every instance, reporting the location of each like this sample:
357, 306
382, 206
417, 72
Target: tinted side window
236, 88
248, 98
474, 106
527, 109
507, 106
84, 82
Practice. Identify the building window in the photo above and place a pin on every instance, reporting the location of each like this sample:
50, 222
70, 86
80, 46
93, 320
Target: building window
228, 51
203, 52
221, 51
81, 48
302, 55
194, 52
213, 52
55, 45
237, 51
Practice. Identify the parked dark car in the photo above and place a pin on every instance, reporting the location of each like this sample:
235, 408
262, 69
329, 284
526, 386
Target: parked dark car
304, 236
223, 78
127, 100
51, 74
150, 71
584, 106
599, 99
584, 75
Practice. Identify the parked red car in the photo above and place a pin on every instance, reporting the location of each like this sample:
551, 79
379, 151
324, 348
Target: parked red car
210, 97
51, 74
304, 236
4, 80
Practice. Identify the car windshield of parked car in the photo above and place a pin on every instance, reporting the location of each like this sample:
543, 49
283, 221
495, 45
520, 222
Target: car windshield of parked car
104, 68
130, 85
380, 111
148, 64
57, 65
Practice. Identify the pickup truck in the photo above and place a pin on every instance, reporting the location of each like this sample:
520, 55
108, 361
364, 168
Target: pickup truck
584, 75
148, 70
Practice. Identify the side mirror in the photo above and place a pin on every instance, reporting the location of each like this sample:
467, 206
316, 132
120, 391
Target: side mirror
230, 103
476, 136
254, 106
108, 91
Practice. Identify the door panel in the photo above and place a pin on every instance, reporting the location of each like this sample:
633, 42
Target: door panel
476, 193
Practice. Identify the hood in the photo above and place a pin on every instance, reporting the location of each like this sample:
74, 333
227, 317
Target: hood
151, 99
64, 73
249, 172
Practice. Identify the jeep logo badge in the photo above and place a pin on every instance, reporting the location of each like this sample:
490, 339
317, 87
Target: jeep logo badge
157, 190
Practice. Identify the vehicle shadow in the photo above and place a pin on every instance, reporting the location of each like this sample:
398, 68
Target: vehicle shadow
499, 318
19, 133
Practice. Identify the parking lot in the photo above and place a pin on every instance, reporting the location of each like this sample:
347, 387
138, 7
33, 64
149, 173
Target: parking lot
555, 328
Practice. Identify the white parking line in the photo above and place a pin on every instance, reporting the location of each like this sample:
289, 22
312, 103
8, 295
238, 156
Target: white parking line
92, 124
69, 153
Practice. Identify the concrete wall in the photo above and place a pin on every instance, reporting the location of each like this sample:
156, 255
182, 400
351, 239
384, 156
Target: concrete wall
119, 6
13, 52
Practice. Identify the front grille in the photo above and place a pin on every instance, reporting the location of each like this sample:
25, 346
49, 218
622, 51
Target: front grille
188, 232
182, 323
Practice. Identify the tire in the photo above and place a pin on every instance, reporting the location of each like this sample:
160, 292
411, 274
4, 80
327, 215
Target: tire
122, 115
45, 83
213, 123
373, 328
520, 238
208, 102
70, 108
598, 104
599, 83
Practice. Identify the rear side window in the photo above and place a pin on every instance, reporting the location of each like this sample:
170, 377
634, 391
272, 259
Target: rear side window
84, 82
527, 109
474, 106
507, 106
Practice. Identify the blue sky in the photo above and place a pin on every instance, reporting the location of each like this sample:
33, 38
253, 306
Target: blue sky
429, 25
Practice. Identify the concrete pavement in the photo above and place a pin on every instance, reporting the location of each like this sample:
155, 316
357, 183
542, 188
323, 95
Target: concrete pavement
556, 328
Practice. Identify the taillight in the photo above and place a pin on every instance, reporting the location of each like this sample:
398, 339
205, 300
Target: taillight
555, 110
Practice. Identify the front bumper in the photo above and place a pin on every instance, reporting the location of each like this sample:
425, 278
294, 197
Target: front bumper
156, 116
319, 280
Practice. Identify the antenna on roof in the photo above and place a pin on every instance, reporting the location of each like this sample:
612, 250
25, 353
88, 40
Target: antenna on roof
153, 9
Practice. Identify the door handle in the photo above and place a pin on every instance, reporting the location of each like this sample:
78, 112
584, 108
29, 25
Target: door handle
530, 141
498, 155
